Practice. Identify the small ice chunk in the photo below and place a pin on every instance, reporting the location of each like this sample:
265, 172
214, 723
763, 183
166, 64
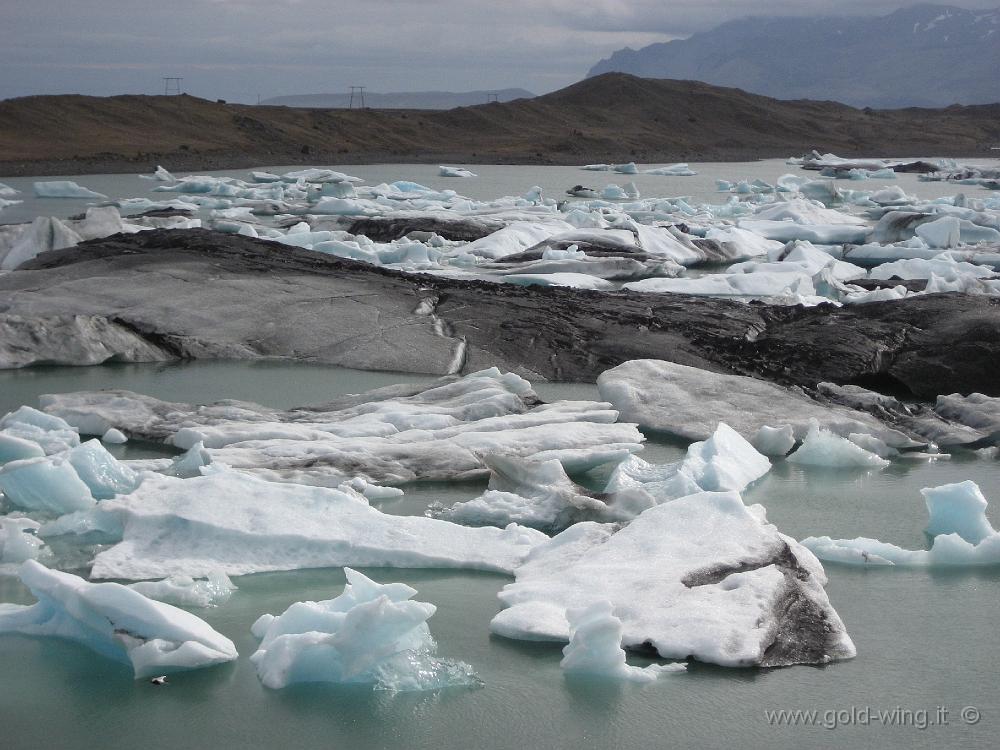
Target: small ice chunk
962, 535
50, 432
595, 647
190, 463
105, 475
824, 448
958, 508
774, 441
18, 540
116, 622
64, 189
114, 437
372, 634
455, 172
942, 233
13, 448
185, 591
45, 484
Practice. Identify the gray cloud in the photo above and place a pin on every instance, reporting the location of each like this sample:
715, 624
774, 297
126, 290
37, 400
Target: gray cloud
236, 49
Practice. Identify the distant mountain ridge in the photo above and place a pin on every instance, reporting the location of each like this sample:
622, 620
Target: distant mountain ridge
922, 55
402, 99
609, 118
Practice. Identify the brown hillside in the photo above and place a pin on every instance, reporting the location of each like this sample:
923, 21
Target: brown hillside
613, 117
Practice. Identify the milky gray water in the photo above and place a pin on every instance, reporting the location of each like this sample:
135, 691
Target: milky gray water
493, 181
926, 640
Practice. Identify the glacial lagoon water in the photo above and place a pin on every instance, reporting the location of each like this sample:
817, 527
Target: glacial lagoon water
926, 640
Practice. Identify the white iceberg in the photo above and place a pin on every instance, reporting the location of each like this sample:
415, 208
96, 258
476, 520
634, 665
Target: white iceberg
725, 461
538, 494
372, 634
823, 448
64, 189
455, 172
116, 622
690, 403
390, 436
185, 591
962, 535
50, 485
236, 523
703, 577
18, 540
594, 647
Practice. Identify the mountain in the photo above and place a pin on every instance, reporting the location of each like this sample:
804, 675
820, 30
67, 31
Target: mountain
401, 100
923, 55
608, 118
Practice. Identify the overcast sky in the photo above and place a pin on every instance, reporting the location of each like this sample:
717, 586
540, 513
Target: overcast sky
237, 49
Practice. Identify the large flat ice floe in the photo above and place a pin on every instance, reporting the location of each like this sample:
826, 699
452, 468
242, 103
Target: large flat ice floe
961, 533
393, 435
235, 523
372, 634
116, 622
703, 576
690, 402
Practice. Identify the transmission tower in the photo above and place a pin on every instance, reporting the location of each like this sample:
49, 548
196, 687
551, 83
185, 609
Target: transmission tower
357, 95
492, 98
171, 85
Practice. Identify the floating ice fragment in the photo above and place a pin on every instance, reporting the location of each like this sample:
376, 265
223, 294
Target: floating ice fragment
64, 189
958, 508
114, 437
962, 535
594, 647
372, 633
236, 523
824, 448
116, 622
45, 484
18, 540
703, 577
213, 590
455, 172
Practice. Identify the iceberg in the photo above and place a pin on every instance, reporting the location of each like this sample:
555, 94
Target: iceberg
44, 234
703, 577
50, 485
18, 541
594, 647
13, 448
823, 448
438, 431
674, 170
455, 172
725, 461
211, 591
371, 634
689, 402
64, 189
104, 475
962, 535
116, 622
537, 494
235, 523
49, 432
